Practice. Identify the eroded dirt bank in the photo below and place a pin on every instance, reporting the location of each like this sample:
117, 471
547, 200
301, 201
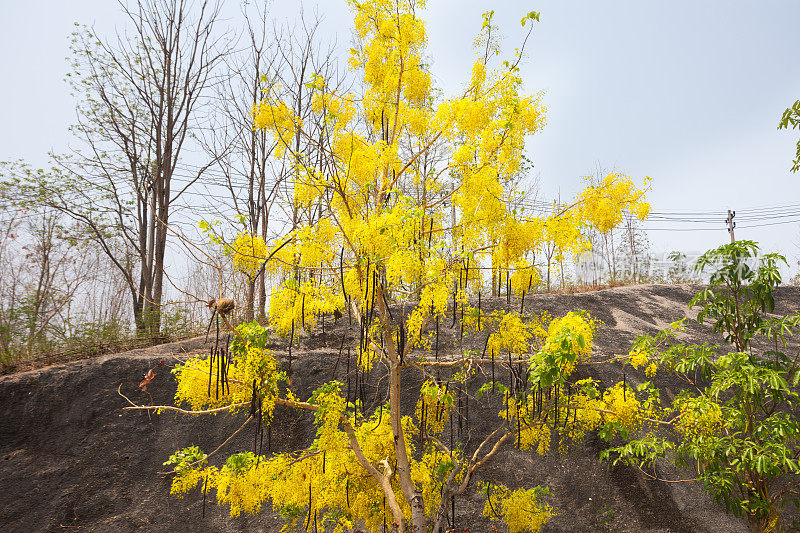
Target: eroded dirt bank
72, 460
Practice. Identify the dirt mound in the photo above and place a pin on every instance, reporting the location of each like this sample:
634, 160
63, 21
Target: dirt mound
72, 460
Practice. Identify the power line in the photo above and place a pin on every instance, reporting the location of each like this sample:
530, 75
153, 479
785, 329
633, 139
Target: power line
700, 220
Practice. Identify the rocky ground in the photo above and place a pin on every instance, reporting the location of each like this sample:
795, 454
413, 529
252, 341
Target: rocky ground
72, 460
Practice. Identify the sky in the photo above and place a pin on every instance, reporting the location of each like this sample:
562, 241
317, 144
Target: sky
687, 92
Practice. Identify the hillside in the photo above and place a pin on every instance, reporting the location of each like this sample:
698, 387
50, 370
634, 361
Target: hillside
72, 460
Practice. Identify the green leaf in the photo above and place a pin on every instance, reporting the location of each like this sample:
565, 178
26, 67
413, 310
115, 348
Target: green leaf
533, 15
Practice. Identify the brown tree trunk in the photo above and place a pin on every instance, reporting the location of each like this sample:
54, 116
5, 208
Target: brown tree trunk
251, 293
410, 492
158, 270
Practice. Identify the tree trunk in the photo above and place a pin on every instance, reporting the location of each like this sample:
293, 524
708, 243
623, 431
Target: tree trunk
251, 294
410, 492
158, 283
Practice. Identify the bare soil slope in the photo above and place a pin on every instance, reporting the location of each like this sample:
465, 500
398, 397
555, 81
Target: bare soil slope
72, 460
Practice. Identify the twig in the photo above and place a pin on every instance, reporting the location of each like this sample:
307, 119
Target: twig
656, 478
216, 450
135, 407
304, 457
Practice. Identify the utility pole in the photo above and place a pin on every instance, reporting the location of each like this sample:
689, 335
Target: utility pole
731, 224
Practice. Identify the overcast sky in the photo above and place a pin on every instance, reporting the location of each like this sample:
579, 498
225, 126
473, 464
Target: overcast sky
688, 92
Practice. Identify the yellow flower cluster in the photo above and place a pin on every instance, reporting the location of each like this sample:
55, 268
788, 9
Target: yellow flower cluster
574, 333
511, 336
391, 56
585, 412
327, 475
247, 362
699, 417
623, 406
328, 472
247, 253
563, 232
430, 471
603, 203
524, 279
539, 325
534, 434
638, 357
520, 509
294, 307
278, 118
243, 490
187, 480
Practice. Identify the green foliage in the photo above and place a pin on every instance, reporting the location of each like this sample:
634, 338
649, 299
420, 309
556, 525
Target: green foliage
679, 271
606, 517
640, 452
737, 424
739, 293
96, 338
791, 120
570, 338
174, 324
182, 459
239, 463
327, 397
492, 386
533, 15
252, 334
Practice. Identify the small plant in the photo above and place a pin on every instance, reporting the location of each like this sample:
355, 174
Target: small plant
735, 424
679, 271
97, 338
606, 517
176, 324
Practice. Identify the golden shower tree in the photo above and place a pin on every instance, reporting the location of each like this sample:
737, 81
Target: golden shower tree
412, 194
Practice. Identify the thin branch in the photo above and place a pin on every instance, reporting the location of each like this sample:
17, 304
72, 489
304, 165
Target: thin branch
216, 450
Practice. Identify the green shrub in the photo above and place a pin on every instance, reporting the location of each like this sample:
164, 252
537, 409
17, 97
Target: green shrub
735, 423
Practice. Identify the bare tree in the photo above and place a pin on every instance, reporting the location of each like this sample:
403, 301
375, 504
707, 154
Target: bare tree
44, 269
242, 152
270, 57
140, 95
11, 272
302, 58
